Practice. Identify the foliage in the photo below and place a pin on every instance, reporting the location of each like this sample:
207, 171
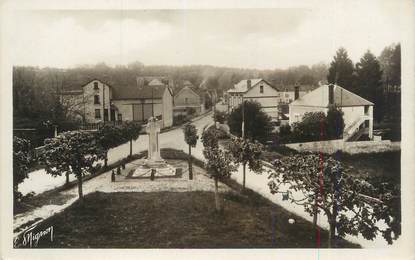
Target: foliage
73, 152
21, 163
131, 130
257, 123
341, 70
247, 152
190, 135
109, 137
210, 138
334, 124
220, 116
314, 126
219, 163
323, 184
369, 76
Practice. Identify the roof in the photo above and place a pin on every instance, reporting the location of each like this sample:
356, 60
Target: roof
145, 88
320, 98
197, 91
242, 86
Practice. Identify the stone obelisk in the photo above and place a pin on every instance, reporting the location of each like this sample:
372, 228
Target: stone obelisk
153, 130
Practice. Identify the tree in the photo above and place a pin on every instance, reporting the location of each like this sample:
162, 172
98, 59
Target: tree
109, 137
257, 122
21, 163
368, 82
341, 70
247, 152
219, 164
131, 131
74, 152
334, 123
220, 116
323, 184
190, 136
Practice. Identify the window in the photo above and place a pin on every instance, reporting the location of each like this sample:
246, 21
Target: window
105, 114
119, 117
96, 86
366, 110
185, 100
97, 113
96, 99
261, 89
287, 95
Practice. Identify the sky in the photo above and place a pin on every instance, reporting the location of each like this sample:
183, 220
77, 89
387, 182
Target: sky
267, 38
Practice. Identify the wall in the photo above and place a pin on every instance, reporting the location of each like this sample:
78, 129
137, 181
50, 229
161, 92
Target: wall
297, 112
332, 146
193, 99
269, 99
105, 95
125, 107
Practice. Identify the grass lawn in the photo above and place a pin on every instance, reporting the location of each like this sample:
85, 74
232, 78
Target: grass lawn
177, 220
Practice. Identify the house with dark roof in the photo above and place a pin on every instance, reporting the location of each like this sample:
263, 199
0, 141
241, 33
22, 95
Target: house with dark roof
149, 97
357, 111
258, 90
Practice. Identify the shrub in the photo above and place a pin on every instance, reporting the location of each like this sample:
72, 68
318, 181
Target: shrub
220, 116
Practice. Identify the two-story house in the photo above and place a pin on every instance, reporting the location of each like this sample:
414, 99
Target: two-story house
258, 90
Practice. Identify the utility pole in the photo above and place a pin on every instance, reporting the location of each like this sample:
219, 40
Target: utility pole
152, 101
243, 118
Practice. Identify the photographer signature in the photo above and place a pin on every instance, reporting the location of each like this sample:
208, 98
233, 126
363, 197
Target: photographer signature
31, 239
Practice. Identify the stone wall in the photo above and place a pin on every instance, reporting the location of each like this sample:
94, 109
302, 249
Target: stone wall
332, 146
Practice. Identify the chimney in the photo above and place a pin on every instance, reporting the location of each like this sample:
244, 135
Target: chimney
296, 92
248, 82
331, 94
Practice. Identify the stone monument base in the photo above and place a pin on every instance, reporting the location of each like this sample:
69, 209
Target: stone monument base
145, 168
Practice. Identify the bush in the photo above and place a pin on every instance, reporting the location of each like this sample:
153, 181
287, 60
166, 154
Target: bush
220, 116
315, 126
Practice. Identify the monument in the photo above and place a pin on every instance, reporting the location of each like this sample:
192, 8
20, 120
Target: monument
153, 165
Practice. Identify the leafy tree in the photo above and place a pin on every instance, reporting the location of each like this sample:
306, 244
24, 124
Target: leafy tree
325, 185
21, 163
334, 123
74, 152
210, 138
257, 122
341, 70
247, 152
219, 165
368, 81
312, 127
109, 137
190, 136
396, 66
131, 131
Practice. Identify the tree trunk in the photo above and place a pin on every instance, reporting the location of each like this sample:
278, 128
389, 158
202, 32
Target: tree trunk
217, 201
244, 174
67, 178
315, 209
81, 196
131, 147
332, 232
106, 159
190, 164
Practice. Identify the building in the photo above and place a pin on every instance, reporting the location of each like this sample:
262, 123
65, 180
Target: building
189, 99
99, 102
358, 112
258, 90
149, 96
91, 103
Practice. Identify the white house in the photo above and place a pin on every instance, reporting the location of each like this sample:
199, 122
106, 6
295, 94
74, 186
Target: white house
91, 103
358, 112
258, 90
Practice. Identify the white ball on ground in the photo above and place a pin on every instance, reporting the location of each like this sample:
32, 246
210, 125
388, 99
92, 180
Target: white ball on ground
291, 221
